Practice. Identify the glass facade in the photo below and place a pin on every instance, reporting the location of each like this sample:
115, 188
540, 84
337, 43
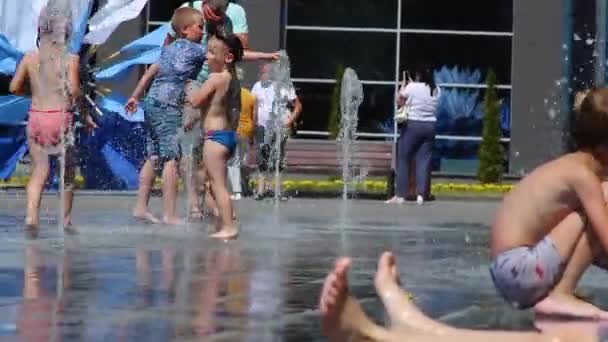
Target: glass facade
461, 41
379, 40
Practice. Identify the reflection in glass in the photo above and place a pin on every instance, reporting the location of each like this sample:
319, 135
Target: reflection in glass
466, 52
470, 15
318, 54
349, 13
376, 109
459, 157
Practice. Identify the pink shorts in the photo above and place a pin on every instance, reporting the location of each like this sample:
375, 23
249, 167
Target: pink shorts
45, 126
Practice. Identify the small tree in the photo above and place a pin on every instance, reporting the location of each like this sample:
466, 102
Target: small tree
333, 121
491, 154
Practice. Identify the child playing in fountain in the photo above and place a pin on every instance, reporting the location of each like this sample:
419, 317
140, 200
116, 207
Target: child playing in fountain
179, 62
220, 120
53, 77
554, 224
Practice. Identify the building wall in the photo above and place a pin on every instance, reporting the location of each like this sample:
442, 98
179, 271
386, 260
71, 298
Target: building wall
265, 30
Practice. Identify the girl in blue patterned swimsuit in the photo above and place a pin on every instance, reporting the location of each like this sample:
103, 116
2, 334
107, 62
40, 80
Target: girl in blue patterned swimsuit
179, 62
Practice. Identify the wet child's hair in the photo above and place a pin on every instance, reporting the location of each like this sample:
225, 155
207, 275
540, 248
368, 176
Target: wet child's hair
53, 25
182, 18
235, 47
590, 125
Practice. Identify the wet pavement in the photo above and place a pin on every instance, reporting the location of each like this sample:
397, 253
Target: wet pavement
118, 280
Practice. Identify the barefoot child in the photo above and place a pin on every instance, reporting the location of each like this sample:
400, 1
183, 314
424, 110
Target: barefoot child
179, 62
343, 319
554, 224
220, 119
54, 83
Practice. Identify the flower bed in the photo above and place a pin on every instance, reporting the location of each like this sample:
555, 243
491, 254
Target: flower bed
373, 187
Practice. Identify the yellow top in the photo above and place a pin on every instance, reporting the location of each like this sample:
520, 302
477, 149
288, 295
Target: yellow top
246, 124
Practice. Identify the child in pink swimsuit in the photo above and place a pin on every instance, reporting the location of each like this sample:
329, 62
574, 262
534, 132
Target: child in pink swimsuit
53, 77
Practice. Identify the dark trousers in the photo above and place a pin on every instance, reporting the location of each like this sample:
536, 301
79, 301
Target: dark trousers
416, 139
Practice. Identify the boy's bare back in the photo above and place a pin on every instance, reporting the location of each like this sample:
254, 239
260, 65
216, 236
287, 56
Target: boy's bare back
543, 199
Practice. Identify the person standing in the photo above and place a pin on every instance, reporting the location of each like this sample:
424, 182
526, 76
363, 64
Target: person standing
417, 134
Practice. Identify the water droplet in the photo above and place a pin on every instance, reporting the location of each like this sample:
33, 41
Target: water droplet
467, 238
552, 113
589, 41
576, 37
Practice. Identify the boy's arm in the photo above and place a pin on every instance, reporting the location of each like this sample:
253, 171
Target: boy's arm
145, 80
589, 189
250, 55
203, 95
17, 85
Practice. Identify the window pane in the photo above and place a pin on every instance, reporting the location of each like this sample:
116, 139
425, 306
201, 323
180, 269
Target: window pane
474, 15
460, 157
461, 111
375, 112
464, 52
163, 10
317, 54
350, 13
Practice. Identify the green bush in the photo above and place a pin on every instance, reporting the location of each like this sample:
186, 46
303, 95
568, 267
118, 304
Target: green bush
333, 122
491, 153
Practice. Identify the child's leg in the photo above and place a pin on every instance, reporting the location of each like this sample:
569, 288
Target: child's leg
578, 257
146, 180
197, 183
38, 179
578, 246
342, 317
69, 177
215, 157
170, 175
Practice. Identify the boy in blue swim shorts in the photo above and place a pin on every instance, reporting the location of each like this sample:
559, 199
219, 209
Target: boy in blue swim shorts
220, 118
554, 223
179, 63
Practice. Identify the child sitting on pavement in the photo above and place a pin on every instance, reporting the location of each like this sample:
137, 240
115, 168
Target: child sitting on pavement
554, 223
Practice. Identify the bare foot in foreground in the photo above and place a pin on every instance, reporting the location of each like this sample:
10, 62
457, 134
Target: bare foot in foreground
404, 315
561, 305
145, 216
341, 315
226, 233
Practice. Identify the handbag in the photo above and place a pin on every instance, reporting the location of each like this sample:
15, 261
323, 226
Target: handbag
402, 114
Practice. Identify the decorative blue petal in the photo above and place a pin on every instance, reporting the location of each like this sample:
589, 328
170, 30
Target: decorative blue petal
116, 70
9, 56
13, 110
116, 104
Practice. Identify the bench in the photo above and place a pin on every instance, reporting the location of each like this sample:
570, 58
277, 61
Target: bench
324, 156
370, 158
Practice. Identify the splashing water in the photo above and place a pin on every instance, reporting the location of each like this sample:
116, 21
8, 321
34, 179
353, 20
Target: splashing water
351, 98
188, 140
280, 76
